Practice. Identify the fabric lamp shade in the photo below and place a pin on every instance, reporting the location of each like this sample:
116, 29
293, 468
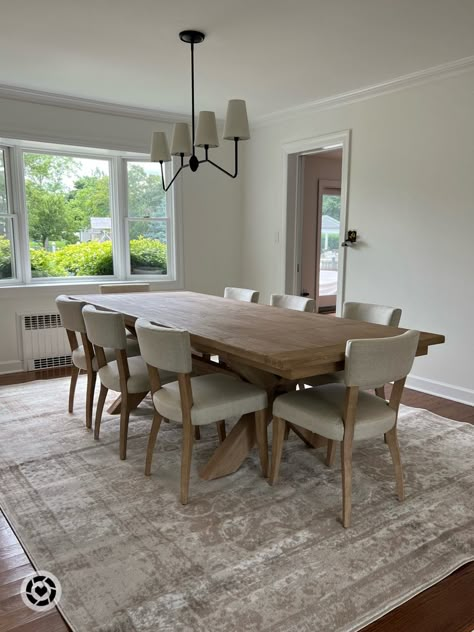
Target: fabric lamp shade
181, 143
236, 122
206, 133
159, 148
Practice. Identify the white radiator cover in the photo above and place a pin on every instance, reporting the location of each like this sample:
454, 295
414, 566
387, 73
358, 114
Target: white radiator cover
43, 340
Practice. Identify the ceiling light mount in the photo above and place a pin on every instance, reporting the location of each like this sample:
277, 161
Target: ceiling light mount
205, 135
192, 37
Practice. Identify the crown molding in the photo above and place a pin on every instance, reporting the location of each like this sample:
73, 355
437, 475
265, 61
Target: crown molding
369, 92
17, 93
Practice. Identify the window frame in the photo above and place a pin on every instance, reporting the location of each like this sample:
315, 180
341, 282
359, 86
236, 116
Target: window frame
118, 186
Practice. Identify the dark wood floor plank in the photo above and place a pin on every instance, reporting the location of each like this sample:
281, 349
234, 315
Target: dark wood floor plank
446, 607
51, 622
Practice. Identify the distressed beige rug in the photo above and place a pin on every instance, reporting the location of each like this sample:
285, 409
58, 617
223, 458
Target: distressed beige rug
241, 555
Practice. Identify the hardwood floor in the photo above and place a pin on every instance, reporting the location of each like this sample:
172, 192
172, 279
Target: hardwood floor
446, 607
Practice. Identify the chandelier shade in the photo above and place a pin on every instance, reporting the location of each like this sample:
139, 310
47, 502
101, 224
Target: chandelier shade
236, 121
181, 143
159, 148
205, 136
206, 133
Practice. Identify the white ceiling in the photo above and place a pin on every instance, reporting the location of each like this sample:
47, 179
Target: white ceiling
274, 53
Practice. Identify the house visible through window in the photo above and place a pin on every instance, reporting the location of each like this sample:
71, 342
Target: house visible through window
82, 214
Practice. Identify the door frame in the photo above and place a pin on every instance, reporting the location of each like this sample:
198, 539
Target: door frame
292, 207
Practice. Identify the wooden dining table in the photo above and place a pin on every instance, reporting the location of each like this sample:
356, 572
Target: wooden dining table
273, 347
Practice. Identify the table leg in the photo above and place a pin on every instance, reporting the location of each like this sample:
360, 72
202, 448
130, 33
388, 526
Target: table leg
311, 439
232, 452
134, 401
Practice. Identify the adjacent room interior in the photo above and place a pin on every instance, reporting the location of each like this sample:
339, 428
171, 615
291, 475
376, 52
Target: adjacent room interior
236, 386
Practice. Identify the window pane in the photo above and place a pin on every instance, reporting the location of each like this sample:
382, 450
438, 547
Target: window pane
148, 247
3, 184
146, 197
6, 249
68, 203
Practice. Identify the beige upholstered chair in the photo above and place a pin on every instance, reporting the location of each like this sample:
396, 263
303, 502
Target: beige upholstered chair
344, 413
298, 303
241, 294
194, 401
370, 313
127, 376
82, 355
118, 288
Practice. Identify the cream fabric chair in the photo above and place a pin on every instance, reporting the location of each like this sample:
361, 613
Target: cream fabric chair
127, 376
241, 294
119, 288
298, 303
370, 313
194, 401
344, 413
82, 355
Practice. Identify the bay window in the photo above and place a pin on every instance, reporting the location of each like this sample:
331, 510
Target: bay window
70, 214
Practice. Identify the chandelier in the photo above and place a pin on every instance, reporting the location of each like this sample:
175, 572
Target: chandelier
184, 144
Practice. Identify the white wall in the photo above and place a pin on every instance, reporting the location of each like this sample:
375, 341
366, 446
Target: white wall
211, 205
411, 198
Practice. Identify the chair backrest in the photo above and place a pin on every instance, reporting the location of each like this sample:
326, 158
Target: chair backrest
122, 288
299, 303
241, 294
70, 311
105, 329
164, 348
372, 313
379, 360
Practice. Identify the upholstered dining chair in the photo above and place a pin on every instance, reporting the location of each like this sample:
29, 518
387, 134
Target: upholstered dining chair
119, 288
370, 313
345, 413
82, 355
241, 294
194, 401
124, 375
298, 303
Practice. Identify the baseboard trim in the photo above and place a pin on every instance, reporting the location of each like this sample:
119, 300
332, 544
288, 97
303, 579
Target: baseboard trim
441, 389
12, 366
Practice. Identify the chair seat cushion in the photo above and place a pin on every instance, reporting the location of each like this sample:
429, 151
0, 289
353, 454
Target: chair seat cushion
215, 397
138, 382
320, 410
79, 357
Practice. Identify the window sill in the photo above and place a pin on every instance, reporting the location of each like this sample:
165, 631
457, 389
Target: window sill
79, 287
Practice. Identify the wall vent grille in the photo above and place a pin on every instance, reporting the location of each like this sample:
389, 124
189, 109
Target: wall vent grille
42, 321
51, 363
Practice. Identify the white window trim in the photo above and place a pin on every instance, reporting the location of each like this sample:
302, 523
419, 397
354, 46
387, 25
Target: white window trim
14, 149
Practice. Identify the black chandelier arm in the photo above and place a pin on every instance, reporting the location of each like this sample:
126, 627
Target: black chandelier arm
236, 160
166, 188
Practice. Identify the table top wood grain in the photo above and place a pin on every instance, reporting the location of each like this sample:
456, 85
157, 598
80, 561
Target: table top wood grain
285, 342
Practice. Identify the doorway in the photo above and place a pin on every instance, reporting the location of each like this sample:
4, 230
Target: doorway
317, 182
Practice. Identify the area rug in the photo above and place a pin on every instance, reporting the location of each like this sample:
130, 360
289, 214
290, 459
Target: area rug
242, 555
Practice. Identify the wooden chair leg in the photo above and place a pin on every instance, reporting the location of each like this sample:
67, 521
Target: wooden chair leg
277, 447
197, 433
380, 391
152, 442
124, 419
221, 432
72, 387
287, 431
186, 456
262, 439
346, 461
331, 452
392, 441
99, 410
91, 378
